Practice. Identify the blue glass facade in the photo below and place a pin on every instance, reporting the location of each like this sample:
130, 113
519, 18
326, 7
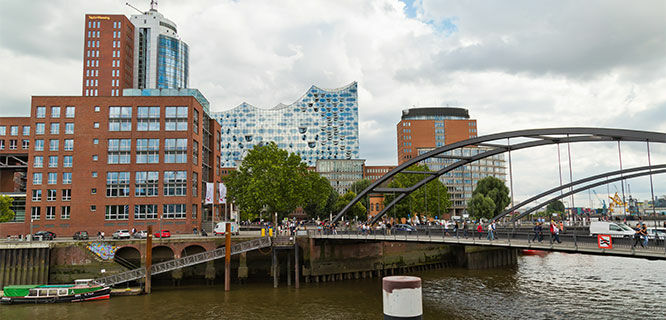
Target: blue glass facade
172, 63
322, 124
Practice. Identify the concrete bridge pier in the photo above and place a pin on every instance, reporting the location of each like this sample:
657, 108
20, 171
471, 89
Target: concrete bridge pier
242, 267
487, 257
210, 272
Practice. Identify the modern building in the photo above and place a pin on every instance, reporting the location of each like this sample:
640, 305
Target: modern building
373, 173
432, 127
341, 173
161, 59
322, 124
423, 129
14, 147
109, 163
108, 55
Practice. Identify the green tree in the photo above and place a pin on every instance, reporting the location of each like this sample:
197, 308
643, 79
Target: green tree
358, 187
269, 179
481, 206
494, 189
318, 198
6, 213
555, 207
429, 200
358, 210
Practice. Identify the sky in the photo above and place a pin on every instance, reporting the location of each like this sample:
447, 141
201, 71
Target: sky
513, 64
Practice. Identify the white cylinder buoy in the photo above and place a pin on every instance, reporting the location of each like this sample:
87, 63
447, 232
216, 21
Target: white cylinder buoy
402, 297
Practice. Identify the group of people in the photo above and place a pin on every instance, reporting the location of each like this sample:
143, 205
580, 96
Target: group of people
555, 230
640, 235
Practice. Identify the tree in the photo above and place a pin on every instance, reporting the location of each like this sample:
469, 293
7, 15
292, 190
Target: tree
317, 202
6, 212
493, 189
555, 207
481, 206
358, 187
269, 179
358, 210
429, 200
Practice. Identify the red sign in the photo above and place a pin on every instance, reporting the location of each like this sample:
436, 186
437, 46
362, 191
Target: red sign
604, 241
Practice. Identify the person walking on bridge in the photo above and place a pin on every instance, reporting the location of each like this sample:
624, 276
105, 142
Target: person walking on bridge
538, 229
638, 236
555, 231
479, 229
491, 231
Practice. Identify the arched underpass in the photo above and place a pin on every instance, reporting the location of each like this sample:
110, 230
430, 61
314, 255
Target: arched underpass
128, 257
197, 271
161, 254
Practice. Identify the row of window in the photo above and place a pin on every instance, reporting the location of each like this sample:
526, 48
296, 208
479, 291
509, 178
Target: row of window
92, 53
14, 130
13, 144
92, 73
148, 119
146, 184
147, 151
36, 212
92, 63
55, 112
38, 161
93, 34
37, 178
54, 144
52, 195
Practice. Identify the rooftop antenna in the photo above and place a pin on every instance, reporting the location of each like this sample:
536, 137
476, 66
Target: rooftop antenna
153, 5
133, 7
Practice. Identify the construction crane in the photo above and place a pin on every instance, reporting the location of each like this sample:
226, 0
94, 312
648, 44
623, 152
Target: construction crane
604, 210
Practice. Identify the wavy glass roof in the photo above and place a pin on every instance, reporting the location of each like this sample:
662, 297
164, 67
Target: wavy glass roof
321, 124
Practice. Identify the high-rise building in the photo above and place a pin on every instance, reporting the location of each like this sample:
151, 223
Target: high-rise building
161, 59
432, 127
108, 50
421, 130
341, 173
322, 124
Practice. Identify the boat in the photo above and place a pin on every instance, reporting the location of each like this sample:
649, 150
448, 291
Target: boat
81, 290
532, 252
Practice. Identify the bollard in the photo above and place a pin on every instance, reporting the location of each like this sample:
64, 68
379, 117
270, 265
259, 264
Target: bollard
270, 232
402, 297
263, 232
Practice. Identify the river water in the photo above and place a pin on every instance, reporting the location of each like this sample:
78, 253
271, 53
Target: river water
553, 286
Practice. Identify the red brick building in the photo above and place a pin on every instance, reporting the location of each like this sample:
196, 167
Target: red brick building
108, 55
109, 163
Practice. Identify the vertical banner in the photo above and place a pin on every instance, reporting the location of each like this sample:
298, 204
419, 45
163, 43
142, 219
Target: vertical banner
222, 193
210, 191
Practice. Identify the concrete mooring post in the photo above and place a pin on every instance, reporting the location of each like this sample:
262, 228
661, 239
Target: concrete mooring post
227, 257
296, 267
275, 268
149, 258
402, 297
288, 269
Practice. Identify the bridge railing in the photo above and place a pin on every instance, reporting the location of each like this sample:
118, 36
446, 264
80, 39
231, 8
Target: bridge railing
504, 236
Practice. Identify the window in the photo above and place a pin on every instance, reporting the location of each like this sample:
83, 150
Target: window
13, 144
64, 212
39, 145
117, 184
13, 130
69, 128
53, 145
146, 183
148, 119
36, 195
175, 183
41, 112
95, 141
67, 178
93, 208
37, 178
53, 178
96, 108
35, 213
96, 125
93, 191
174, 211
175, 150
26, 144
69, 145
194, 211
55, 128
175, 119
195, 184
145, 211
55, 112
66, 194
195, 152
119, 151
38, 162
53, 161
95, 157
2, 144
3, 130
147, 150
39, 129
94, 174
50, 213
117, 212
69, 111
51, 195
26, 130
120, 118
67, 161
195, 122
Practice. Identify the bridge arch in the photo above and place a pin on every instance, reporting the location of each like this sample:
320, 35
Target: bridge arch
494, 144
162, 253
129, 257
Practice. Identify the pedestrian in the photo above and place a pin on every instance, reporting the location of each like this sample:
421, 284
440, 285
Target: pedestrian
561, 226
102, 234
536, 232
644, 234
99, 235
479, 229
491, 232
555, 231
464, 226
637, 236
455, 228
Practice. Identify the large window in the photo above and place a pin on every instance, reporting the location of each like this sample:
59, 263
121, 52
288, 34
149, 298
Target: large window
53, 161
145, 211
54, 145
119, 151
195, 121
69, 145
174, 211
26, 130
53, 178
39, 145
69, 128
195, 184
117, 212
55, 112
51, 195
67, 161
55, 128
147, 150
13, 130
175, 183
35, 213
146, 183
67, 178
175, 119
50, 213
120, 118
36, 195
69, 111
148, 119
117, 184
66, 194
175, 150
38, 162
65, 212
37, 178
195, 152
41, 112
39, 128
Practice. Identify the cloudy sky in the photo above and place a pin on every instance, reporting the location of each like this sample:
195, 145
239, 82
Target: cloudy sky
513, 64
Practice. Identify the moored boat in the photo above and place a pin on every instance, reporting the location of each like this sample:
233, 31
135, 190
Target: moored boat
81, 290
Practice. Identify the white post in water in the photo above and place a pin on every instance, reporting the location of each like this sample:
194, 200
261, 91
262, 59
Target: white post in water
402, 297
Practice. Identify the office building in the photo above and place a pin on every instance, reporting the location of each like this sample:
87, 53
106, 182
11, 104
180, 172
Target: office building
341, 173
322, 124
108, 55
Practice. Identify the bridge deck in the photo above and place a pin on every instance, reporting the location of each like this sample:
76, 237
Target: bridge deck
575, 244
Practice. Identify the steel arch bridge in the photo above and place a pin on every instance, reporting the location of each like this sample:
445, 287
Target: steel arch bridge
495, 144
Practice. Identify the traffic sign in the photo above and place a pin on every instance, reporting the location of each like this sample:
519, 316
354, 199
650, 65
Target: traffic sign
605, 241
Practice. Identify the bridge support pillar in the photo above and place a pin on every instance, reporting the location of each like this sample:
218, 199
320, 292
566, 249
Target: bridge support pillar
274, 267
289, 269
297, 276
242, 267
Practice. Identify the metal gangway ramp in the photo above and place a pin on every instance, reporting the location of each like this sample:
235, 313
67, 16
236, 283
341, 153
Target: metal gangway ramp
174, 264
